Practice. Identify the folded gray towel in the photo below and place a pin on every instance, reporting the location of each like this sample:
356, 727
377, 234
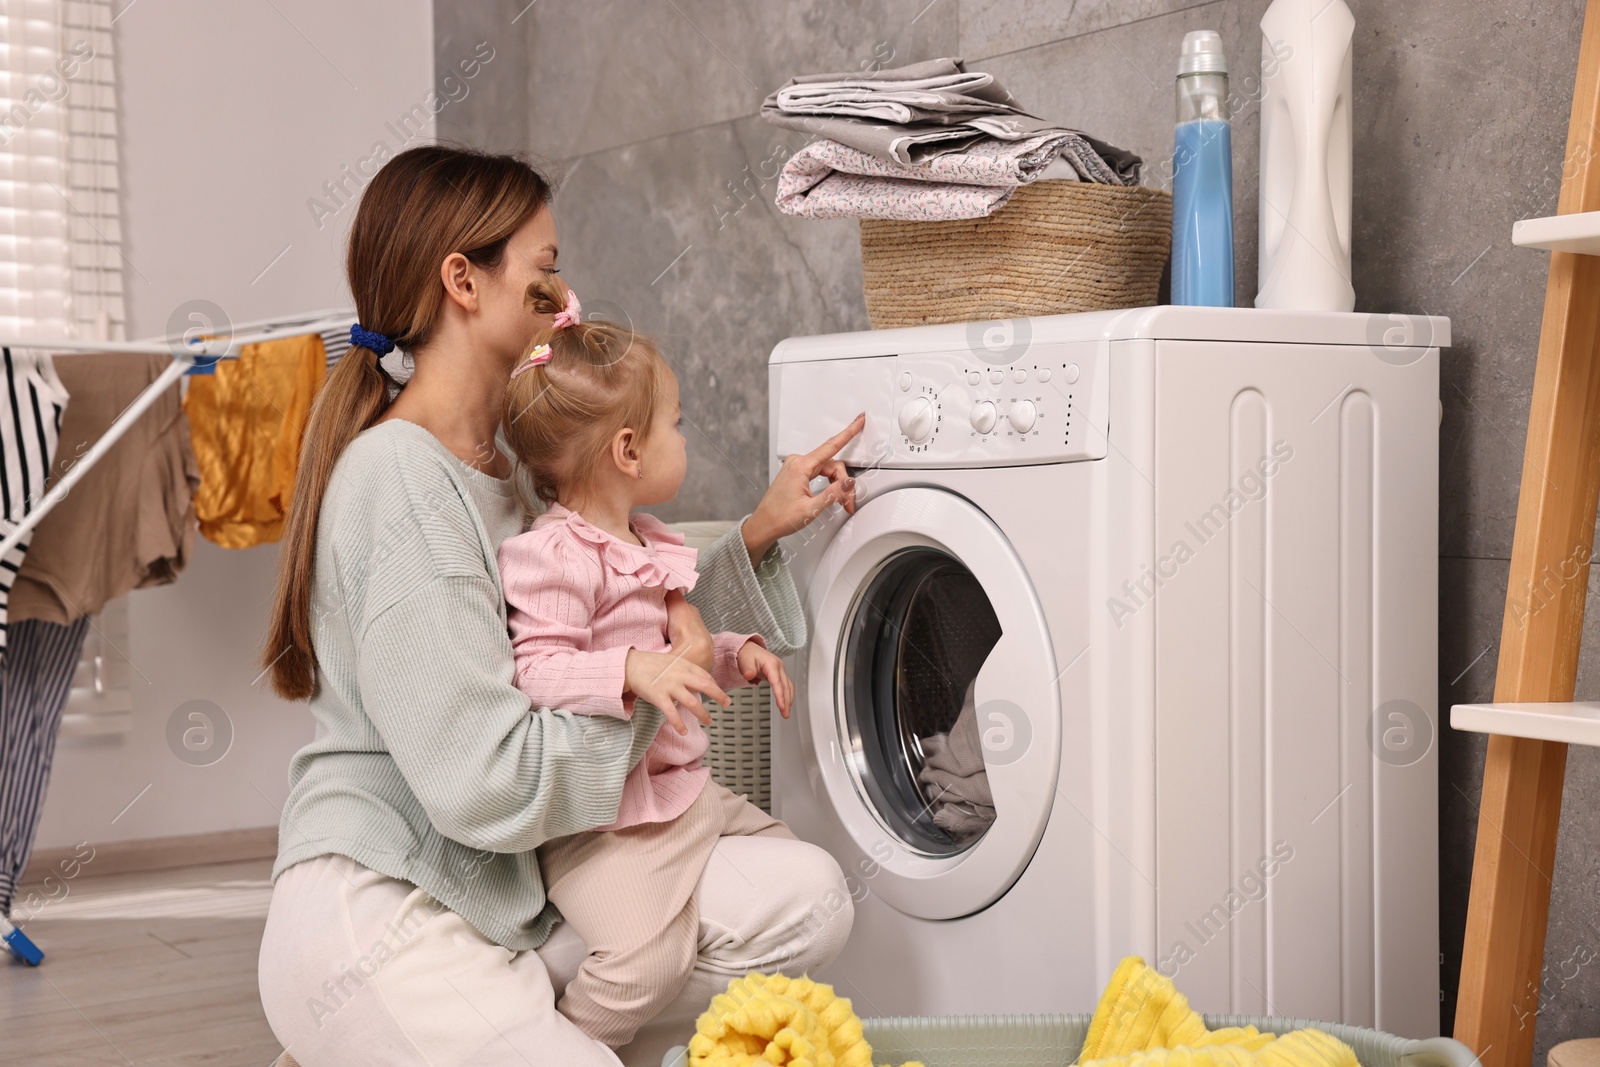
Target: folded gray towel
963, 805
910, 114
932, 91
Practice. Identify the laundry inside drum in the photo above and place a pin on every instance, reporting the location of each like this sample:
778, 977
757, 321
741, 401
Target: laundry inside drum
919, 635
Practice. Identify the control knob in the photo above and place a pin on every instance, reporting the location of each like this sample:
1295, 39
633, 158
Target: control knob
916, 419
1023, 415
984, 416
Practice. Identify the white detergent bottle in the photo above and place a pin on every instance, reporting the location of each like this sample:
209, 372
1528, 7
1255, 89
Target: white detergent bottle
1305, 156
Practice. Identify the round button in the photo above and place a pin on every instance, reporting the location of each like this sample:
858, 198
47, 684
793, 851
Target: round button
1071, 374
1022, 416
997, 376
973, 377
1019, 375
916, 419
1043, 374
984, 416
905, 382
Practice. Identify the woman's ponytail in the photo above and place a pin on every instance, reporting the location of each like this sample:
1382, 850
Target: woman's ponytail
351, 399
423, 205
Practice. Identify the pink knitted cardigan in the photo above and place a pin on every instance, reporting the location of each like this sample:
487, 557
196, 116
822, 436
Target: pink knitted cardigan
579, 599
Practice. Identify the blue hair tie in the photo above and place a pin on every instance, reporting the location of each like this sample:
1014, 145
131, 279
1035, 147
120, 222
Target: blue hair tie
361, 337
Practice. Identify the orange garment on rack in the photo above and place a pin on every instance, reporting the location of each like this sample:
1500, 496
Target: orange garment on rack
247, 419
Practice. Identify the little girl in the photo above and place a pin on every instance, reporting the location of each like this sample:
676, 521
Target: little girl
592, 414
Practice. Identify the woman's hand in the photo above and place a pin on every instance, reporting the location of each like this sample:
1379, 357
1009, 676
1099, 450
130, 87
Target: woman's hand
669, 681
687, 633
756, 664
789, 504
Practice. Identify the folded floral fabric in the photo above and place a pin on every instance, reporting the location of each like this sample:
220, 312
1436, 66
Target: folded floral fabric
829, 180
914, 113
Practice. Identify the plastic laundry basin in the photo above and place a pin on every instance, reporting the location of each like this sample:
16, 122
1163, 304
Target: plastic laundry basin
1054, 1041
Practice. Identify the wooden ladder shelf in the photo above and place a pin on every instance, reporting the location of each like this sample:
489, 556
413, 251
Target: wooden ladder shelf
1533, 719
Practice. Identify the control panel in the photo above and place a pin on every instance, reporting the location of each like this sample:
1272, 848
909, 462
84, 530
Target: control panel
951, 409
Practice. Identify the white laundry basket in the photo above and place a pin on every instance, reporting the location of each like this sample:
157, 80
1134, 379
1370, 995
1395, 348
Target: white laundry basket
739, 753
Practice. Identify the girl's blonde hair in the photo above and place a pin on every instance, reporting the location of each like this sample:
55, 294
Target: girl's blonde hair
560, 416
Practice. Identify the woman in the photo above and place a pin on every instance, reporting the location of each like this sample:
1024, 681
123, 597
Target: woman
408, 922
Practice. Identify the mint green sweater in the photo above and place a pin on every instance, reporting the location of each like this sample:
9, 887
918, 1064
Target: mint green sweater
428, 764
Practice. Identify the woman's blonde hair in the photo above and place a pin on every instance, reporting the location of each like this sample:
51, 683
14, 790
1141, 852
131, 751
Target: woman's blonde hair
561, 416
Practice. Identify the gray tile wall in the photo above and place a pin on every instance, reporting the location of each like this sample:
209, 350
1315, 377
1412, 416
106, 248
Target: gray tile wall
647, 111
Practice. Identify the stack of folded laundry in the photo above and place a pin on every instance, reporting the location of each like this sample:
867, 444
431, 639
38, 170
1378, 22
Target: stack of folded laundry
931, 141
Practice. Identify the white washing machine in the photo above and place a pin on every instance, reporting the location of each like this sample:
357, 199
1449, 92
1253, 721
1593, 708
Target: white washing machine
1129, 648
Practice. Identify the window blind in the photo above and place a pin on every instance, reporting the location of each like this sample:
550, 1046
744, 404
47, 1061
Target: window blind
61, 266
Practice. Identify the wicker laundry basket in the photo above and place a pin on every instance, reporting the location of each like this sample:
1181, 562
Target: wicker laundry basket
1056, 247
739, 745
1054, 1041
739, 739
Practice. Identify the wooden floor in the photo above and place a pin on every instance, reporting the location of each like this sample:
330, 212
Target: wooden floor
151, 968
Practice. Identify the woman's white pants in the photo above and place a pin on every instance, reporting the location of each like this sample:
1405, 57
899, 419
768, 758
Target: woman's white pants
360, 968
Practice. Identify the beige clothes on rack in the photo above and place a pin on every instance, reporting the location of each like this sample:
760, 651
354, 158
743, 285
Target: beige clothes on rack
130, 523
248, 418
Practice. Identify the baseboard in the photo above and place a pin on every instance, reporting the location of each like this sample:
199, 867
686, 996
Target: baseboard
155, 853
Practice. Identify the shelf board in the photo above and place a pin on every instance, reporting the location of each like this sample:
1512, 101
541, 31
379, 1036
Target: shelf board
1575, 723
1578, 232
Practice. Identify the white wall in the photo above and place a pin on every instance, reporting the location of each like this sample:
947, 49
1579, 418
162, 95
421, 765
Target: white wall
233, 117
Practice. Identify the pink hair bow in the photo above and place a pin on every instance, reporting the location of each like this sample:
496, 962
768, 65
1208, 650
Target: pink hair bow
537, 358
568, 316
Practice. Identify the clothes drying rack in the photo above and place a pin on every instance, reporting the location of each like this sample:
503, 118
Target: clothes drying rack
187, 353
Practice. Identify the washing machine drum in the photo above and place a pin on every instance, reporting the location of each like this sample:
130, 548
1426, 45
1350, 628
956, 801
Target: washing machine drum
917, 639
940, 747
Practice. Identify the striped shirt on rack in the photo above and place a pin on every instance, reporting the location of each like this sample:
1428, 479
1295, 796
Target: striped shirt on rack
30, 431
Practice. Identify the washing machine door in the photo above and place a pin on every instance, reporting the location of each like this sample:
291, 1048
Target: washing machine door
938, 739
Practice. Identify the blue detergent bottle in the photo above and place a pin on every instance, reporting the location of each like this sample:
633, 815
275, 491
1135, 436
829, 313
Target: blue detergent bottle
1202, 177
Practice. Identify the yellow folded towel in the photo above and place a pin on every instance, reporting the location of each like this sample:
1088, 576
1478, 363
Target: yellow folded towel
774, 1021
1143, 1021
